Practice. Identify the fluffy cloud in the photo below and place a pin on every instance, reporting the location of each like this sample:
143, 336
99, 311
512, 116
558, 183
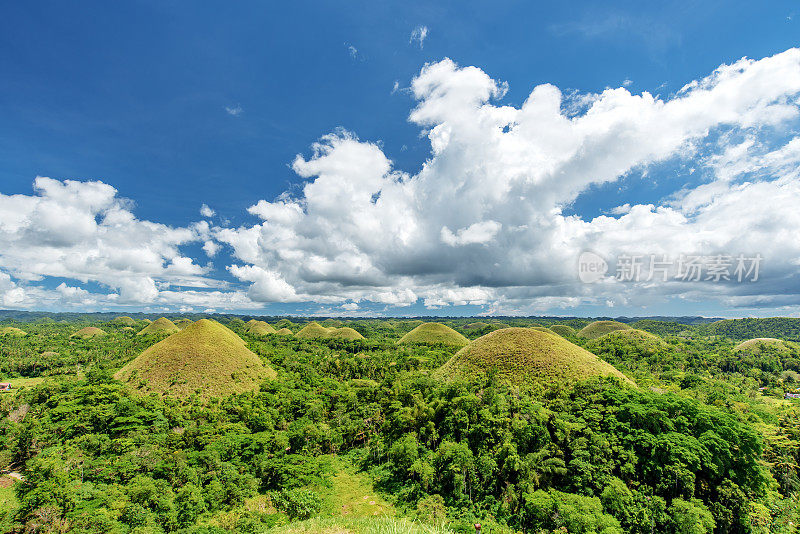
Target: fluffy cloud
487, 220
486, 215
83, 231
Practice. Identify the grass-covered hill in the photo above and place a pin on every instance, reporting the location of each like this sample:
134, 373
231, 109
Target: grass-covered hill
346, 333
159, 327
89, 332
740, 329
599, 328
630, 341
313, 330
563, 330
124, 320
12, 331
764, 344
284, 332
526, 355
259, 328
205, 357
434, 334
182, 323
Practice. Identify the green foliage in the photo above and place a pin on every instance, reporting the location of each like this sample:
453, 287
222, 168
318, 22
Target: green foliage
748, 328
297, 503
663, 328
697, 449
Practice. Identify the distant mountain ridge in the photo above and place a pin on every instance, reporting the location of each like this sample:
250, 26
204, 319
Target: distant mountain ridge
25, 316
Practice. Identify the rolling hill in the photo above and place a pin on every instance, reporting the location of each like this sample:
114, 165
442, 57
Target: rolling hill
159, 327
600, 328
205, 357
434, 334
526, 355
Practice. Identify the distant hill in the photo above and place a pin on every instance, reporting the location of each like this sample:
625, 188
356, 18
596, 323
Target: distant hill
345, 333
124, 320
763, 344
12, 331
159, 327
563, 330
183, 322
629, 343
434, 334
89, 332
599, 328
259, 328
313, 330
739, 329
205, 356
662, 328
526, 355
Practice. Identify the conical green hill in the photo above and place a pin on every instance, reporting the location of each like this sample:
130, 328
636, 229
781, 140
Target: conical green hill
183, 322
205, 356
599, 328
313, 330
260, 328
563, 330
124, 320
345, 333
433, 334
88, 333
12, 331
159, 327
629, 341
761, 344
526, 355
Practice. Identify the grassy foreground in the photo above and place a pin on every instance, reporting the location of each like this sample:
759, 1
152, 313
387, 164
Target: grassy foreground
359, 525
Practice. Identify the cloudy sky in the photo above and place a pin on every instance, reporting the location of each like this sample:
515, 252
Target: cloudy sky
349, 158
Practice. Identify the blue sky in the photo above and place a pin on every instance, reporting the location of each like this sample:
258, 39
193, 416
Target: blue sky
178, 104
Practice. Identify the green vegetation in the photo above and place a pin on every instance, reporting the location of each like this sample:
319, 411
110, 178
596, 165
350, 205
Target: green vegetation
205, 358
662, 328
563, 330
600, 328
526, 356
159, 327
787, 328
284, 332
434, 334
521, 430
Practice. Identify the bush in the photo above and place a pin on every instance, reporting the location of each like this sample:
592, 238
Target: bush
297, 503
